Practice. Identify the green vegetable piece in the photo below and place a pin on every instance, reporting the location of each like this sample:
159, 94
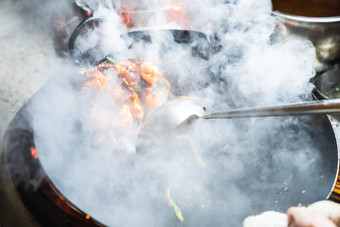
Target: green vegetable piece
177, 211
82, 71
111, 60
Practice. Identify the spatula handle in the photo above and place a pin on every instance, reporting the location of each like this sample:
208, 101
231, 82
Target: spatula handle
303, 108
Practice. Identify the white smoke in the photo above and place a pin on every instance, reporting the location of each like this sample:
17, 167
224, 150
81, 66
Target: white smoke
95, 165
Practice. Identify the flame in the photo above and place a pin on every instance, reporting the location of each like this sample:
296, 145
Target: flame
59, 22
176, 7
60, 27
34, 153
126, 19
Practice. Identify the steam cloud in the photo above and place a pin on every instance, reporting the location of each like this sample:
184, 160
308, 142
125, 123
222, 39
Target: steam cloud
247, 162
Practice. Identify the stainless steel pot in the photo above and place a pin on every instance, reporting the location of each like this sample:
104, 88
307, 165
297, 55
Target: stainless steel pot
327, 84
324, 32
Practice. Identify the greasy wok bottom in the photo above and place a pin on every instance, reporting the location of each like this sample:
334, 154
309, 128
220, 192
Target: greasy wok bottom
268, 181
251, 165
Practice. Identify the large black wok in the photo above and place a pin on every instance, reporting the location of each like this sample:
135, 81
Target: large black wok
273, 175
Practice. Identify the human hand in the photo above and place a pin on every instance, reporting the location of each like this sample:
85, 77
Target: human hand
302, 217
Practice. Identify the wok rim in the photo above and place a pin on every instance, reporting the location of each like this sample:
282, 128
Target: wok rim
291, 17
336, 179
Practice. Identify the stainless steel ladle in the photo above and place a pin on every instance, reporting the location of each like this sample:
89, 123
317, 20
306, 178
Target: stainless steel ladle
303, 108
177, 114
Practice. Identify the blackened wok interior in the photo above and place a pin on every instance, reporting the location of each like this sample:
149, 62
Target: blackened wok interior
250, 165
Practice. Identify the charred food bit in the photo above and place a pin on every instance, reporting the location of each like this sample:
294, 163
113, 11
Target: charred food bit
136, 105
149, 72
105, 65
157, 90
154, 97
141, 85
95, 79
128, 72
125, 118
118, 94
